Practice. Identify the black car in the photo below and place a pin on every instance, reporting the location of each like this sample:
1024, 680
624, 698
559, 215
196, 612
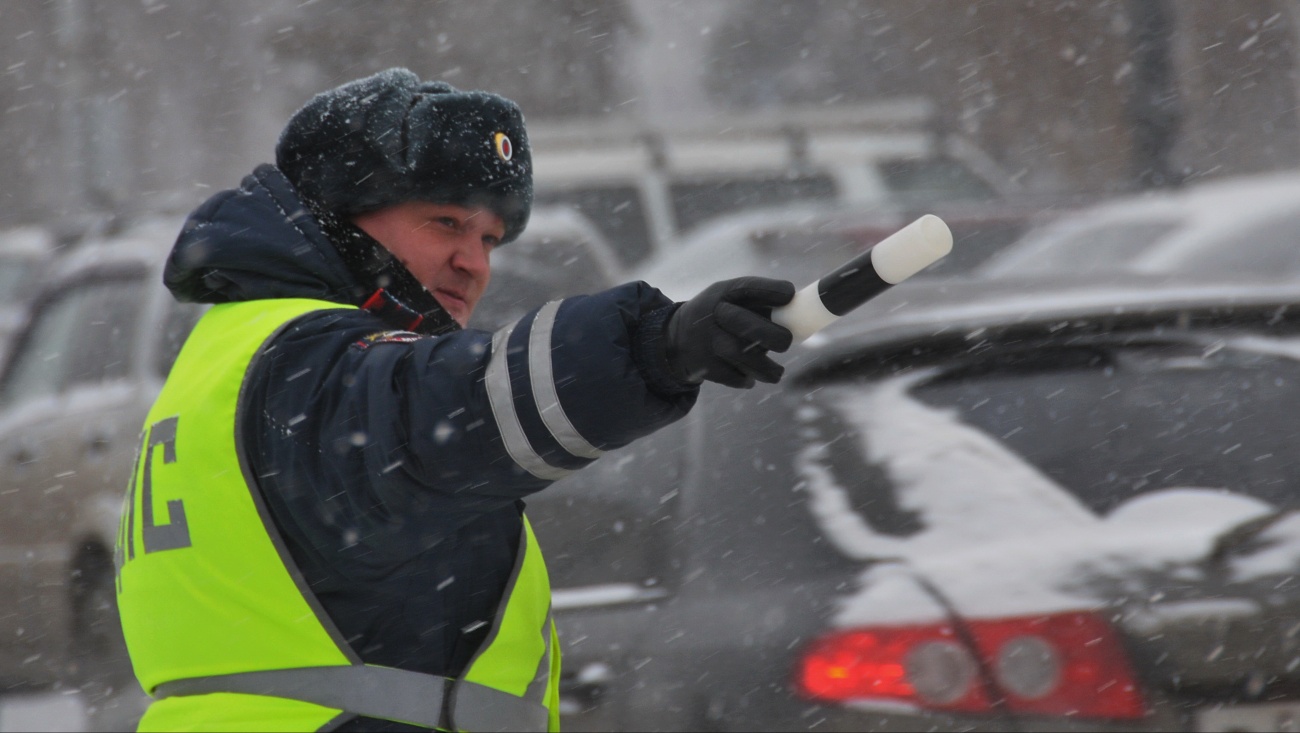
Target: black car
1034, 505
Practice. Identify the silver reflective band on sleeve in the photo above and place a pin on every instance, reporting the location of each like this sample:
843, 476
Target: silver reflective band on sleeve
374, 692
502, 400
542, 373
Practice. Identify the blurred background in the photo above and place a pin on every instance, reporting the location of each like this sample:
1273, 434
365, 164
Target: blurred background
147, 104
1119, 177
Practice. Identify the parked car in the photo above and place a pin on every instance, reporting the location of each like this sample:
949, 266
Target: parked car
646, 186
24, 254
1234, 227
98, 342
971, 505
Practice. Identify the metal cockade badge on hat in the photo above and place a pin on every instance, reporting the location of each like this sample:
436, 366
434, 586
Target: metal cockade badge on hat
505, 150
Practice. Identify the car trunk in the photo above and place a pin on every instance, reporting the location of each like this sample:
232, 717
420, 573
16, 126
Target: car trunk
1139, 483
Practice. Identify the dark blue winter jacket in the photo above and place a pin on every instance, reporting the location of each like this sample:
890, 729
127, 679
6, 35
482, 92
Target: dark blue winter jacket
396, 485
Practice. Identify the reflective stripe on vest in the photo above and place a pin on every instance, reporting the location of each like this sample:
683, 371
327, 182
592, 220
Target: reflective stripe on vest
211, 601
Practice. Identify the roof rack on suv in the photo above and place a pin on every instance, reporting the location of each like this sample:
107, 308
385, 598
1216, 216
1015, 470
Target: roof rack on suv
901, 113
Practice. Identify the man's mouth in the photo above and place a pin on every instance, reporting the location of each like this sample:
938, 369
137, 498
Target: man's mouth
451, 298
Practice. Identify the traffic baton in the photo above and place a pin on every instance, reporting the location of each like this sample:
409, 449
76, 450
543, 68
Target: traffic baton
894, 259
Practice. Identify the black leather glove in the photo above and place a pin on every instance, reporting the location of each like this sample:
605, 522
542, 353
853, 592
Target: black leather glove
724, 333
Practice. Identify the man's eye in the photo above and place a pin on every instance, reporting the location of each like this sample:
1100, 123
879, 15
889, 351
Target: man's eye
447, 221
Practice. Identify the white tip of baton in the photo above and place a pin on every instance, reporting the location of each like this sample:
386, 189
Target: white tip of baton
911, 249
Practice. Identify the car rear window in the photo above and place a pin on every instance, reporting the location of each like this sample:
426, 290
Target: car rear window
1111, 423
1063, 428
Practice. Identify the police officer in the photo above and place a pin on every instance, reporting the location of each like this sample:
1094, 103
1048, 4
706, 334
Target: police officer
325, 529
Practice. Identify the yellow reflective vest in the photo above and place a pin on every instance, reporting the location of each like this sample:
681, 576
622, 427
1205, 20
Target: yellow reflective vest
222, 629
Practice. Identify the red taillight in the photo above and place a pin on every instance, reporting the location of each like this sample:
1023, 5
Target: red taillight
874, 664
1068, 664
1094, 678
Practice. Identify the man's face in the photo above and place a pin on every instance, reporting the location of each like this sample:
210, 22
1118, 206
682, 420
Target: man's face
445, 246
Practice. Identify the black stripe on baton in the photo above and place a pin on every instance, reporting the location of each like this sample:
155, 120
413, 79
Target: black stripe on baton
853, 284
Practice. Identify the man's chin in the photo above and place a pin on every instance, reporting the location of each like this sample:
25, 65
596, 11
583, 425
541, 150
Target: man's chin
458, 310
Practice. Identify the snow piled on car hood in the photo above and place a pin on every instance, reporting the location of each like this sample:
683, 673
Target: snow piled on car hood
1000, 538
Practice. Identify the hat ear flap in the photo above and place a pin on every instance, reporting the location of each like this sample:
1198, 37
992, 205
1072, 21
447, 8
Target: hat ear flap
428, 136
384, 123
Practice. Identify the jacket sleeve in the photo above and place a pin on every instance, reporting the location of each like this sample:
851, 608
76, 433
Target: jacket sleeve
470, 420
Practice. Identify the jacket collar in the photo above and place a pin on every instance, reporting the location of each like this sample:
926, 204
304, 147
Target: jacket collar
393, 292
262, 241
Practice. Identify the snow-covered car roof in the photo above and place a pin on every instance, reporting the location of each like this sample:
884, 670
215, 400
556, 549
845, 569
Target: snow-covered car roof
968, 307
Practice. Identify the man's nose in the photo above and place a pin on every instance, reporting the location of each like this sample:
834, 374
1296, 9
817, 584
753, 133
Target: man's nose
472, 256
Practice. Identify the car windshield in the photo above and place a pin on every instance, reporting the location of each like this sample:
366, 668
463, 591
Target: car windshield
916, 182
81, 337
800, 255
1112, 423
530, 272
698, 200
18, 276
615, 210
1057, 434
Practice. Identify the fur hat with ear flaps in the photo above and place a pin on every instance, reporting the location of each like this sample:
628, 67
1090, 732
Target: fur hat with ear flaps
391, 138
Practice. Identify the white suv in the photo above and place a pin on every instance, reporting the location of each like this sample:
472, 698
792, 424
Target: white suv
644, 187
